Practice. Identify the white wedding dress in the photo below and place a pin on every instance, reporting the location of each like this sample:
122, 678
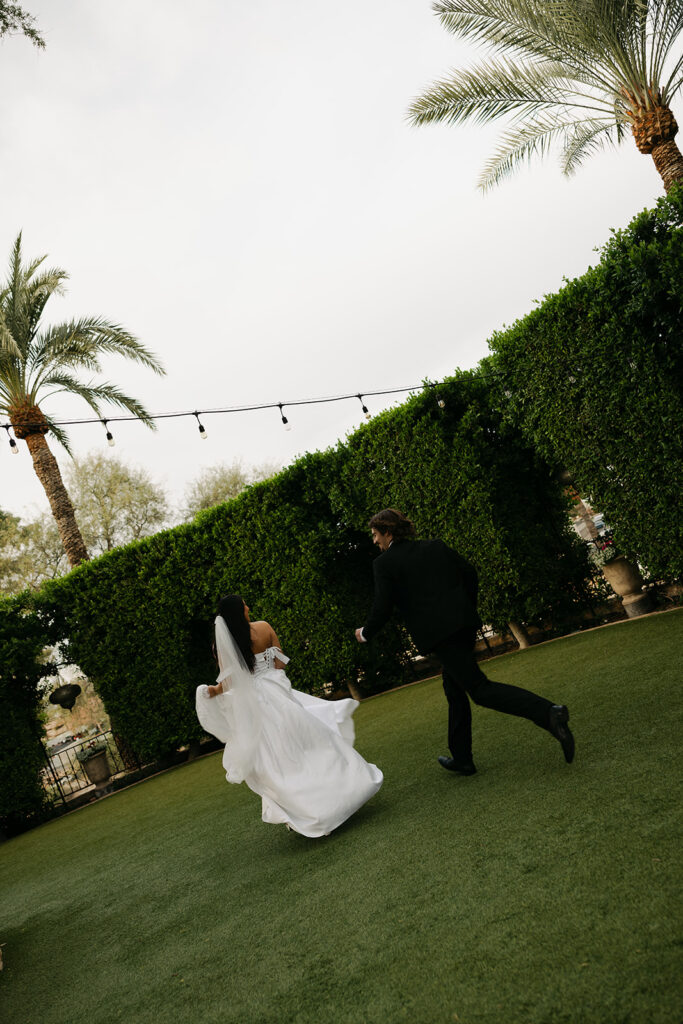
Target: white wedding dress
294, 750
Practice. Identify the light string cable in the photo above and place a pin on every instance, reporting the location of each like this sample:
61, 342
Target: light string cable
436, 389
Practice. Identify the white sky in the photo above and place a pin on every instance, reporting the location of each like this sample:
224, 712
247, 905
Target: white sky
236, 183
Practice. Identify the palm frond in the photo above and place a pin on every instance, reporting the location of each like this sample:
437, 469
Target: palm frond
82, 342
523, 29
7, 343
498, 88
60, 435
95, 394
63, 381
63, 346
584, 139
564, 31
533, 138
673, 83
37, 293
666, 24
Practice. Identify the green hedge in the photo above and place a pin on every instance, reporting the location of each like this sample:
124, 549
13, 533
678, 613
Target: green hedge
22, 665
138, 620
594, 379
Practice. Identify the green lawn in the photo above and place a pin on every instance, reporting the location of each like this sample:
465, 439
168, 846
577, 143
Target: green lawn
533, 893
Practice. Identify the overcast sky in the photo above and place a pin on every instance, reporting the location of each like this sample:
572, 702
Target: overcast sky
236, 184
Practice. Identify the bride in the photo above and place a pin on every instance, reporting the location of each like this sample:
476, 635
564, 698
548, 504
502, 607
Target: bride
294, 750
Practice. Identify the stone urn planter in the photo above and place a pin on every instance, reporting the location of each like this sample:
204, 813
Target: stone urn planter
625, 580
96, 766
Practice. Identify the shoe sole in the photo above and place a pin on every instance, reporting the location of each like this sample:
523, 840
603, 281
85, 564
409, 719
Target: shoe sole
457, 771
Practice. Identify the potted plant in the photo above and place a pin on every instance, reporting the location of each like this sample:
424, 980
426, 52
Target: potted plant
623, 576
93, 757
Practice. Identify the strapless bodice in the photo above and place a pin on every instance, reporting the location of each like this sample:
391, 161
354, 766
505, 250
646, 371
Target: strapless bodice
265, 660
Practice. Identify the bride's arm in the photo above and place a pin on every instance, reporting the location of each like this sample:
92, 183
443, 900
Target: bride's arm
222, 685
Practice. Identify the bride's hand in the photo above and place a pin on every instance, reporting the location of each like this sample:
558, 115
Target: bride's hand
214, 691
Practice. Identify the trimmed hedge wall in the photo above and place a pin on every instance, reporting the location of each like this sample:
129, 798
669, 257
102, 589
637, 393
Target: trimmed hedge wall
595, 376
138, 620
22, 665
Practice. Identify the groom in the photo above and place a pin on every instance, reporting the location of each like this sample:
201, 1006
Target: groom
435, 591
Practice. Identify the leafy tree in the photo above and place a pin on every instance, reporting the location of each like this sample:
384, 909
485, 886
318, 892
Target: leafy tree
115, 504
14, 20
30, 553
581, 71
15, 562
41, 556
34, 365
220, 483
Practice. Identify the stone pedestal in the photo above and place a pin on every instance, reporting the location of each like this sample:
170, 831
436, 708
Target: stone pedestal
625, 580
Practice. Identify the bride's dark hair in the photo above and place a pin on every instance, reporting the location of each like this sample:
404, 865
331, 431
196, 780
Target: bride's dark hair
231, 610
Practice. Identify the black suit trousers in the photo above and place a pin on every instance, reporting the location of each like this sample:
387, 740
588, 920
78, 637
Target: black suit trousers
462, 676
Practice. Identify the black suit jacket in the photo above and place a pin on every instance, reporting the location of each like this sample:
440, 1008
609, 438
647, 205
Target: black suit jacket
431, 585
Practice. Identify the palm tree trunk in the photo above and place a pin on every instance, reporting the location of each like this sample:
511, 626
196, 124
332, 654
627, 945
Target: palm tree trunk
654, 130
48, 473
669, 162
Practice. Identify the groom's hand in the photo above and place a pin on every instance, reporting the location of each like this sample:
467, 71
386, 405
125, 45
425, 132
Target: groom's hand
359, 636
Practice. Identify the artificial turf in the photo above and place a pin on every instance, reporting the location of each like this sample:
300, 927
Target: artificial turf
535, 892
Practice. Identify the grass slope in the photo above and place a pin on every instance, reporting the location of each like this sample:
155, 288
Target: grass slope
533, 893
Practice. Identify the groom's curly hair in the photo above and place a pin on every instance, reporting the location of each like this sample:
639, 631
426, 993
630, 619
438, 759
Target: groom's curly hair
390, 520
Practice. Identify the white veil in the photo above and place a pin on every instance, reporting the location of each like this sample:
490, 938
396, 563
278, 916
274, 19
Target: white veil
233, 716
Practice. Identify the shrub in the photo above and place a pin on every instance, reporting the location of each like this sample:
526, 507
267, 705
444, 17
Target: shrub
594, 381
22, 665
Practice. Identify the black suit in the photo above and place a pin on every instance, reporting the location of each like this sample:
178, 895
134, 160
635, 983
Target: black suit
435, 591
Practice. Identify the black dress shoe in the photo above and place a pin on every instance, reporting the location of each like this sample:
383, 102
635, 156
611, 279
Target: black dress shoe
558, 716
460, 769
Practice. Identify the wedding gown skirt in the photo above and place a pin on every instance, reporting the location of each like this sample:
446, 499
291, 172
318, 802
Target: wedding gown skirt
303, 765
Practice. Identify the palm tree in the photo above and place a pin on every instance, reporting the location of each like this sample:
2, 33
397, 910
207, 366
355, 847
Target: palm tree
581, 71
36, 365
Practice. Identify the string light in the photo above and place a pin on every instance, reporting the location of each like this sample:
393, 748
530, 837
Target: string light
285, 421
364, 407
252, 408
110, 437
12, 443
202, 431
440, 401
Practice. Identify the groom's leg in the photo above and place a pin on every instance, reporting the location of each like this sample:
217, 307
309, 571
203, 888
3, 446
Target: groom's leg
457, 656
459, 719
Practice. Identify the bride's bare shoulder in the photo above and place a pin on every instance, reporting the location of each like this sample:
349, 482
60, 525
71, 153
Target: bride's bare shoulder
263, 633
260, 634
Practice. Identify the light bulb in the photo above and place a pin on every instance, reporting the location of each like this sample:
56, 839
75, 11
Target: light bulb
200, 425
